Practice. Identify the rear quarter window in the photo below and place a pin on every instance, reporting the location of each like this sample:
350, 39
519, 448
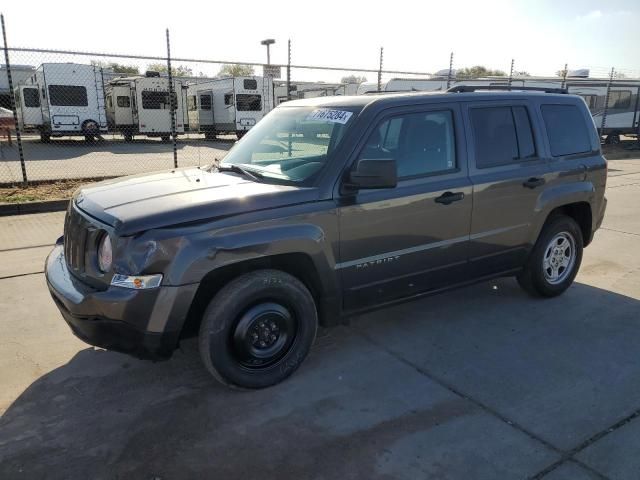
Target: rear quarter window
567, 130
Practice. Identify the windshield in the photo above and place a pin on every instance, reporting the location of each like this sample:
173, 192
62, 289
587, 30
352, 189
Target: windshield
291, 143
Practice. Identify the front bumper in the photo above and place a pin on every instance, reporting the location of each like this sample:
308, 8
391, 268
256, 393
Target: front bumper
143, 323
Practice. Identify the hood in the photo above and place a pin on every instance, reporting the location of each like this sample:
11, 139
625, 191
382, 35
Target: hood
142, 202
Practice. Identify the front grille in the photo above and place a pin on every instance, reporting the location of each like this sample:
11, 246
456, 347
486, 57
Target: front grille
76, 228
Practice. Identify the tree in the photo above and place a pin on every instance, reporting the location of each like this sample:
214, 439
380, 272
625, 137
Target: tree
180, 71
561, 73
117, 67
236, 70
478, 71
353, 79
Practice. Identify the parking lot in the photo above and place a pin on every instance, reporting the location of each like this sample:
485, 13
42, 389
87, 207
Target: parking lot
72, 157
478, 383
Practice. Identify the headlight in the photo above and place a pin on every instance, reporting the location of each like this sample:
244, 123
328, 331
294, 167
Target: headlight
105, 254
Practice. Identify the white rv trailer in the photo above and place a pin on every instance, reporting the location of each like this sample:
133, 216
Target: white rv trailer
623, 112
228, 105
61, 99
310, 90
405, 85
141, 106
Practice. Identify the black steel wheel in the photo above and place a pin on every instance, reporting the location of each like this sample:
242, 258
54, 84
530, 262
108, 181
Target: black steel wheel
258, 329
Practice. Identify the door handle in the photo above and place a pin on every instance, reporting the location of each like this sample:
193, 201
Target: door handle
449, 197
534, 182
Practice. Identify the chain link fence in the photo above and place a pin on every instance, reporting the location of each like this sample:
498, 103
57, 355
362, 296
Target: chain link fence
74, 115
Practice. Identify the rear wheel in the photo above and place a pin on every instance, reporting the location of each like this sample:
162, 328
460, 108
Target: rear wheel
555, 259
258, 329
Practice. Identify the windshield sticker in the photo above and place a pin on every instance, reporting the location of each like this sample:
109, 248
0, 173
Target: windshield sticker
327, 115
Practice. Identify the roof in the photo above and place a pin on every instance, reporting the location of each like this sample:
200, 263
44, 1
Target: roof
404, 98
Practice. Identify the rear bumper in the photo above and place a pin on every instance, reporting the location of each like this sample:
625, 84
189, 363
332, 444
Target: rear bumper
143, 323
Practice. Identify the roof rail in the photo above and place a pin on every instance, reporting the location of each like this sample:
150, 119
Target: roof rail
473, 88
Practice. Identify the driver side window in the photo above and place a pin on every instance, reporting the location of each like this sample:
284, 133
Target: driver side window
421, 143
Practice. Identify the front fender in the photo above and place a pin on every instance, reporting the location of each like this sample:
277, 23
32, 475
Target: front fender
202, 254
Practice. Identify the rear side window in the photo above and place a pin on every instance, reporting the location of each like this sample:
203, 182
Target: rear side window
566, 129
68, 96
502, 135
620, 99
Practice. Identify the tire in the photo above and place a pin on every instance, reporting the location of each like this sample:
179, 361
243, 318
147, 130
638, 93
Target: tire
128, 137
557, 253
45, 137
165, 138
612, 139
240, 134
258, 329
210, 135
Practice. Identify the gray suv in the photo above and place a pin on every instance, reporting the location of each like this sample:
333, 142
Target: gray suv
330, 207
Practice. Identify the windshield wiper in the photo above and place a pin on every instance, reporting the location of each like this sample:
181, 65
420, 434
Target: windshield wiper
253, 175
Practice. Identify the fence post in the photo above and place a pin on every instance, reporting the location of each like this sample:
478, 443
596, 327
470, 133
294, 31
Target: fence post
606, 102
13, 102
172, 105
289, 69
565, 72
380, 70
450, 74
511, 72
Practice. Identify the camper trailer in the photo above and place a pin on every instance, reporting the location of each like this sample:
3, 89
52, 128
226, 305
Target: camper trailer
228, 105
61, 99
405, 85
141, 106
623, 115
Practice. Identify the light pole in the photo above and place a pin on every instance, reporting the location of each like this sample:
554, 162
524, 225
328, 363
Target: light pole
268, 42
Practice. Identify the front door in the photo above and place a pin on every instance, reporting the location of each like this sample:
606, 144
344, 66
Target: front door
406, 240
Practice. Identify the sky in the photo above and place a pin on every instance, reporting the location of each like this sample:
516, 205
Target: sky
417, 36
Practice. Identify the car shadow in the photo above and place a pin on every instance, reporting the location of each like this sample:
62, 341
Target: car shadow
106, 415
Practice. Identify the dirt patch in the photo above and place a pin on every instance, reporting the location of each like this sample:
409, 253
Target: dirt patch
39, 192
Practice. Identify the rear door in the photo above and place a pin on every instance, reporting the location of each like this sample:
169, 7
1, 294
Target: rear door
30, 109
509, 170
402, 241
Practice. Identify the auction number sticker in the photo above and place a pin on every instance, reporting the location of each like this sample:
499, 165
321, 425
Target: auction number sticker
328, 115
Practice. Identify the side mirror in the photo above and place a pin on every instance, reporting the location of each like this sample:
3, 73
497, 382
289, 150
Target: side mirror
374, 174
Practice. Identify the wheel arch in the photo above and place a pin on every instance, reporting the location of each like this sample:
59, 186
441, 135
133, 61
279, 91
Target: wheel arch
297, 264
574, 200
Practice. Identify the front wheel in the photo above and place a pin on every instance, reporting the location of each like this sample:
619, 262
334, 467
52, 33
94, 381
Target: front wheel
258, 329
555, 259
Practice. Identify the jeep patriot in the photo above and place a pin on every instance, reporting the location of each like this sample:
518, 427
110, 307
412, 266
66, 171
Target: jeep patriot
326, 208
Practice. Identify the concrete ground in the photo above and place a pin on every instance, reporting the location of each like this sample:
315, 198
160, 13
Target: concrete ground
479, 383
